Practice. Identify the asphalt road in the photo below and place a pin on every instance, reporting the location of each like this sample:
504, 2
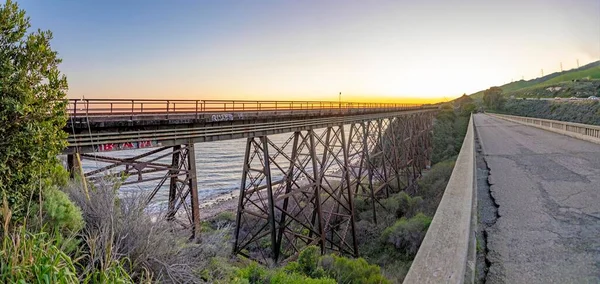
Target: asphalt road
547, 188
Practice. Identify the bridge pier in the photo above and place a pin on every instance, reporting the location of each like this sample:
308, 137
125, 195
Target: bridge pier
73, 165
184, 159
181, 175
302, 192
296, 194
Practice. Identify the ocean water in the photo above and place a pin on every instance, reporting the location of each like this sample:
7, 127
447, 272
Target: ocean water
218, 164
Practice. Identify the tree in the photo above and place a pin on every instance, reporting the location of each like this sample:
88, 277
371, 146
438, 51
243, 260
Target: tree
465, 105
32, 110
493, 98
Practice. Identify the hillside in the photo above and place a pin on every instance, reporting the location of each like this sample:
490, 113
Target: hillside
586, 112
580, 82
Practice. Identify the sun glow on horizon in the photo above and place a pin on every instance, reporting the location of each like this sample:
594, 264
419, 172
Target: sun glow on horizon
396, 51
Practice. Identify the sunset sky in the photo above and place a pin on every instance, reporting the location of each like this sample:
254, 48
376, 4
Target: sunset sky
312, 50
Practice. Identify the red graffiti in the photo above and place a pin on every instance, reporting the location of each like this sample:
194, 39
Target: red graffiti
127, 145
106, 147
145, 144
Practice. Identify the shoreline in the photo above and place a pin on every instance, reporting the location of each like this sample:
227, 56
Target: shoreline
224, 202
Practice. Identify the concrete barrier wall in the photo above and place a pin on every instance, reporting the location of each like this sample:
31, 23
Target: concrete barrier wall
586, 132
447, 254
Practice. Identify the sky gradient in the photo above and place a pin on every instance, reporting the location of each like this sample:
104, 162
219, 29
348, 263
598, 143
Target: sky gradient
312, 50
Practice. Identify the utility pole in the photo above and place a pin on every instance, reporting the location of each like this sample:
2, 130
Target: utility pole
340, 100
578, 63
542, 72
561, 67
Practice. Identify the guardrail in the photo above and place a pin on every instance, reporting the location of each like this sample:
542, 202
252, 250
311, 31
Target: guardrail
97, 107
581, 131
447, 254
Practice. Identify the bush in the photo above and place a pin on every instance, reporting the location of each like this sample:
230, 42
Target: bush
449, 131
254, 273
308, 262
346, 270
407, 234
224, 218
587, 112
342, 269
58, 212
118, 231
403, 205
433, 184
396, 270
280, 277
219, 269
32, 110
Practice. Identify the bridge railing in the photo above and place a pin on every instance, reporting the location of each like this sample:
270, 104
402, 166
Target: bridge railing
99, 107
581, 131
447, 254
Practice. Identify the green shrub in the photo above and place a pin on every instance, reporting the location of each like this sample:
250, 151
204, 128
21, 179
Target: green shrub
433, 184
360, 205
254, 273
58, 212
308, 262
347, 270
309, 259
407, 234
449, 130
395, 270
586, 112
224, 218
403, 205
342, 269
281, 277
219, 268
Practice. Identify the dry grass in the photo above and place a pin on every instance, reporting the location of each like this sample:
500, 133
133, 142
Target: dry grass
118, 229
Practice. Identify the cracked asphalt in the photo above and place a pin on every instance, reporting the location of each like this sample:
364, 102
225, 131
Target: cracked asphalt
547, 189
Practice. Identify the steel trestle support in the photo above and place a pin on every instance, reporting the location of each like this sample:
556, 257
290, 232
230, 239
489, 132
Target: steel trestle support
302, 192
180, 175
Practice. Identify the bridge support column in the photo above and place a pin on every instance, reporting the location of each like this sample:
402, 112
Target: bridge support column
175, 164
180, 174
388, 154
294, 195
183, 162
73, 165
192, 178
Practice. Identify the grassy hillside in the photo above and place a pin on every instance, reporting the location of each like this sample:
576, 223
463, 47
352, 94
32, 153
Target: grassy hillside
587, 112
579, 82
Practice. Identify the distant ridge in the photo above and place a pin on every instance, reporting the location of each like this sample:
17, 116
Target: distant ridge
536, 87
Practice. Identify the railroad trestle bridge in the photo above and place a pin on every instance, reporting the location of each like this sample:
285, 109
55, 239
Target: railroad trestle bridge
295, 193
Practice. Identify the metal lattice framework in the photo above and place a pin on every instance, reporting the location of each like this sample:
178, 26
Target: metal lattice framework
301, 192
180, 175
